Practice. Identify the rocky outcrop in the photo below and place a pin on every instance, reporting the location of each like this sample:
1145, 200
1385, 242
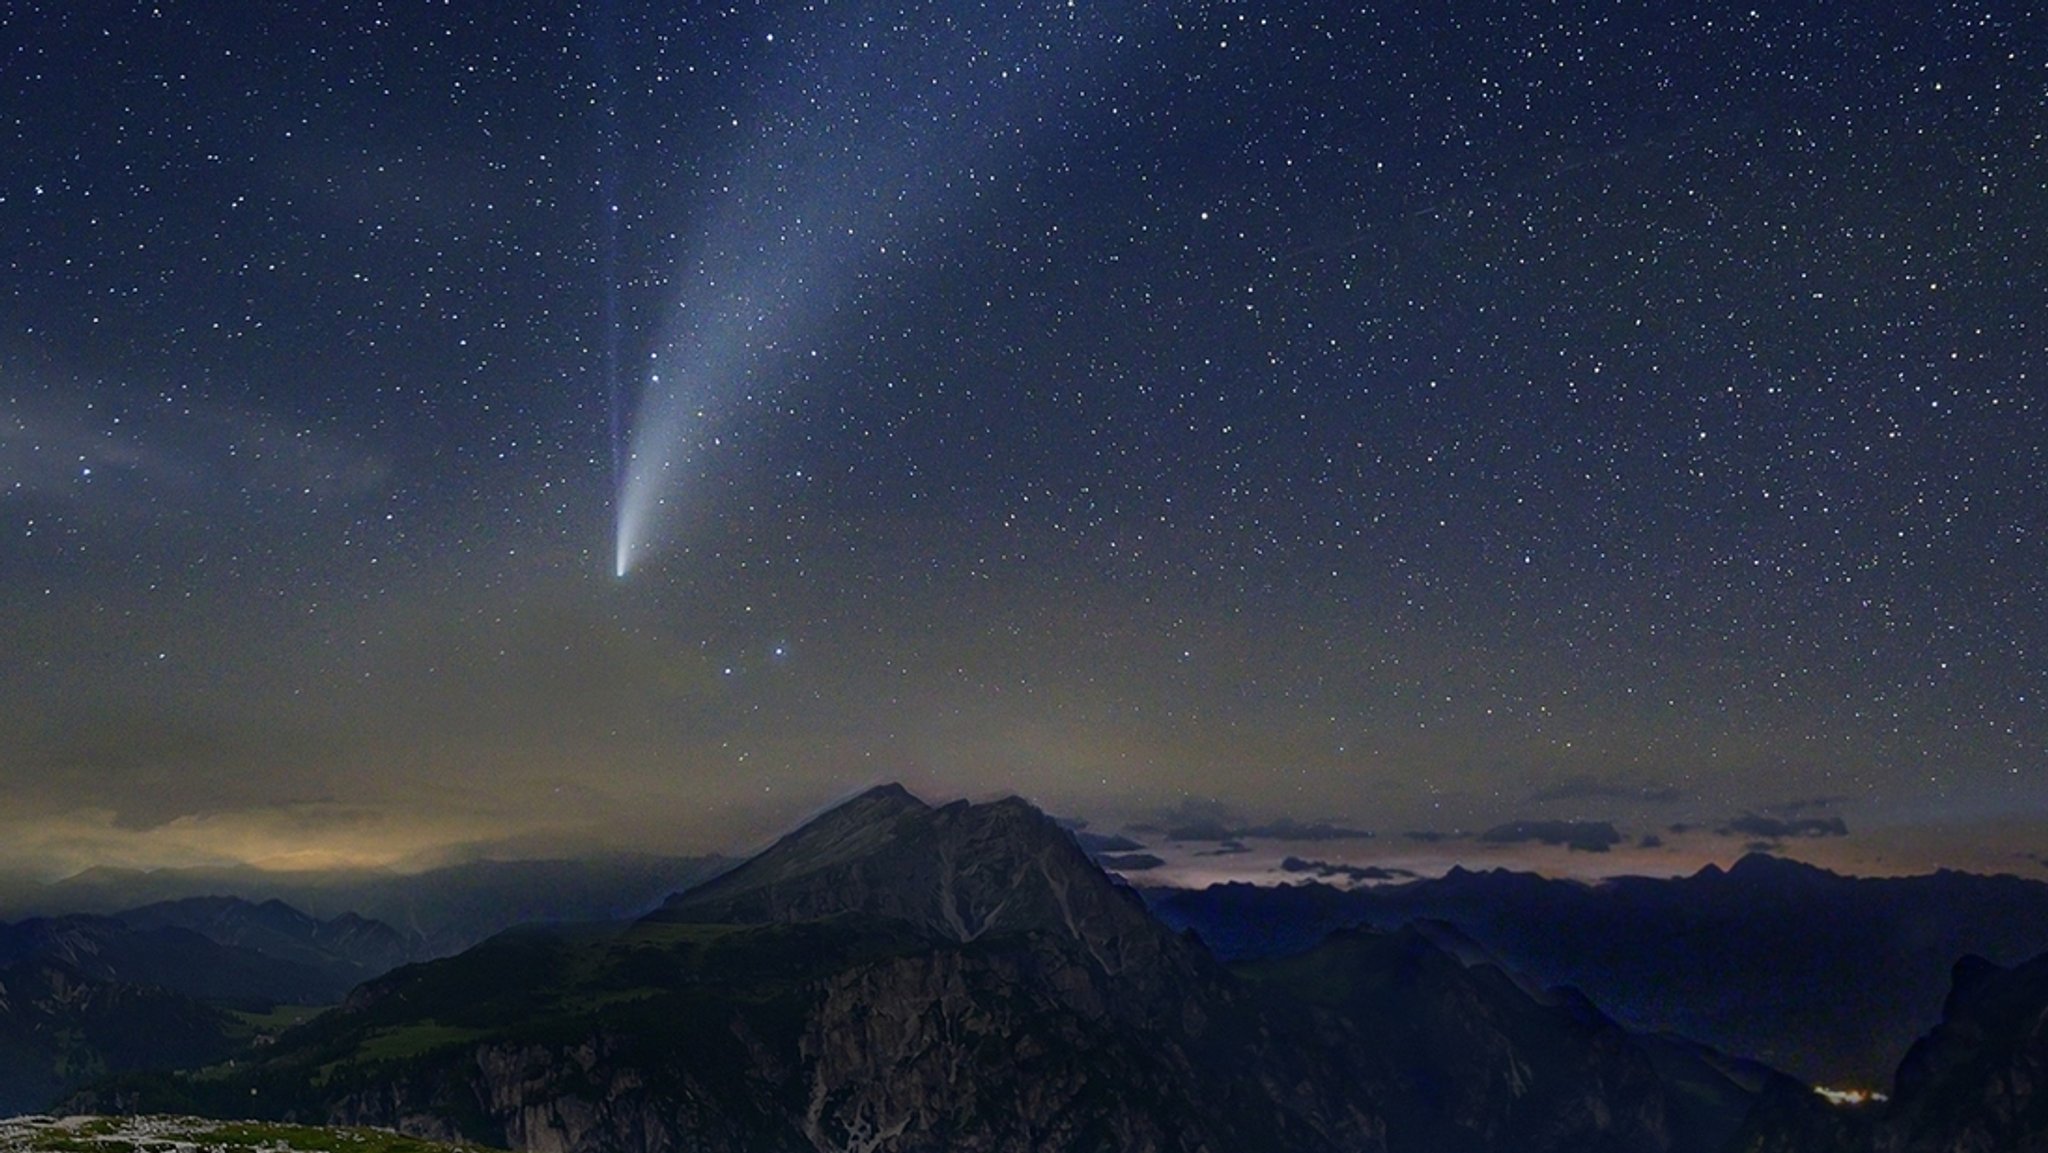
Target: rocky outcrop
1033, 1047
581, 1098
1979, 1081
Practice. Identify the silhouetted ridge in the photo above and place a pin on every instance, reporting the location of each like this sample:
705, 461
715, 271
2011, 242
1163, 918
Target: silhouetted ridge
844, 832
1970, 972
1766, 868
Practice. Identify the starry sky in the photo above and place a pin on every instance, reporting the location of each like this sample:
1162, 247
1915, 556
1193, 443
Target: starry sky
1598, 437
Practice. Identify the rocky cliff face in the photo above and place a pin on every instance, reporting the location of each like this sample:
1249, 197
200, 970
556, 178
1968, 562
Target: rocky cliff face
1980, 1079
906, 978
1016, 1045
574, 1098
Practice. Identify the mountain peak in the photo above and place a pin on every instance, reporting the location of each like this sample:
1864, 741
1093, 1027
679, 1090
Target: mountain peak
889, 792
957, 873
1756, 867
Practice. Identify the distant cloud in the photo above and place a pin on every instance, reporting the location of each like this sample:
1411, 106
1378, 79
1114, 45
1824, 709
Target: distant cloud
1788, 808
129, 457
1207, 830
1211, 829
314, 835
1106, 842
1588, 789
1130, 862
1285, 830
1226, 849
1431, 837
1650, 841
1579, 836
1328, 869
1771, 828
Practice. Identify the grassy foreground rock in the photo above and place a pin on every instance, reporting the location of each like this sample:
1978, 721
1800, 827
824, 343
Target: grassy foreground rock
162, 1134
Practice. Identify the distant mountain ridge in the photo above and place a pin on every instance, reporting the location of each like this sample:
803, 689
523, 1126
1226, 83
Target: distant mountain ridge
351, 948
1829, 978
170, 957
60, 1028
450, 908
83, 996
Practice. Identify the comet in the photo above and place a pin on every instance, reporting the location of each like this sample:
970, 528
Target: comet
874, 133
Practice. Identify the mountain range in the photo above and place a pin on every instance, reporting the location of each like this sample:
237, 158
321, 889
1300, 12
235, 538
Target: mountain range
896, 976
182, 983
448, 908
1825, 977
128, 970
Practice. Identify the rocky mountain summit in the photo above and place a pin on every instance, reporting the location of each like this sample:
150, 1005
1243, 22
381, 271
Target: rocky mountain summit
897, 976
956, 873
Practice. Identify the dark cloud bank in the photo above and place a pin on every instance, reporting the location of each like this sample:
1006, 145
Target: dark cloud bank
1579, 836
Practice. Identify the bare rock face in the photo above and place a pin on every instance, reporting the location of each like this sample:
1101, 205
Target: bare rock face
574, 1099
1014, 1050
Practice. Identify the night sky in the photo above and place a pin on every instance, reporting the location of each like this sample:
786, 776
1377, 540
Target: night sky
1598, 437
